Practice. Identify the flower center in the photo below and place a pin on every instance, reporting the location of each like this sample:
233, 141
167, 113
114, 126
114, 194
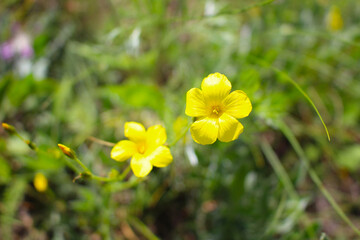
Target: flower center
216, 111
141, 147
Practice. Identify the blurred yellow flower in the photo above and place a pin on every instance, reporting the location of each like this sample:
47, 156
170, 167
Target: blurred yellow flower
40, 182
334, 20
145, 148
216, 110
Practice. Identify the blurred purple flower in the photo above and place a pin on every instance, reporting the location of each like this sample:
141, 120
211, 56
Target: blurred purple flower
6, 50
27, 52
19, 45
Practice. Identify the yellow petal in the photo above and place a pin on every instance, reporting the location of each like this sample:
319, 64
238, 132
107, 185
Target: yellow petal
155, 136
135, 131
195, 103
215, 87
205, 131
229, 128
237, 104
123, 150
140, 165
161, 157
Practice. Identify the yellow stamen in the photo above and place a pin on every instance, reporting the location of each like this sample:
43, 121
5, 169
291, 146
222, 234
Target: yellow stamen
216, 111
141, 148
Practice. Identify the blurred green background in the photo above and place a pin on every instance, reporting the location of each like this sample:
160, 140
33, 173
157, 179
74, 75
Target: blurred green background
73, 69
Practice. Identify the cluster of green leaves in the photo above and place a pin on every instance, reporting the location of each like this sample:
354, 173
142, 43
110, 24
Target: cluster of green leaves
136, 63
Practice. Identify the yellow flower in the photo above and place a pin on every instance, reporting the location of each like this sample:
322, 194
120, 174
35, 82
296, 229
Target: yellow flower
145, 148
334, 20
216, 110
40, 182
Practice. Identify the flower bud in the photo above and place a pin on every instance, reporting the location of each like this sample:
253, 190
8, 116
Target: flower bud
67, 151
31, 144
9, 128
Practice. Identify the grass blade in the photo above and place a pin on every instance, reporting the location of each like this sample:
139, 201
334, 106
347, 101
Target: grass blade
286, 77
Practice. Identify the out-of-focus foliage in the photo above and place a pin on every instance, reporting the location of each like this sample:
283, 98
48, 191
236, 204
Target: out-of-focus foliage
93, 65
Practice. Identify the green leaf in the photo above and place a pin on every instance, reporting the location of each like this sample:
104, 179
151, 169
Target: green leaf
4, 86
45, 161
349, 158
10, 203
137, 95
20, 89
5, 171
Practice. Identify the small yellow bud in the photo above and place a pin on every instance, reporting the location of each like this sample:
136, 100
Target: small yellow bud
67, 151
31, 144
9, 128
40, 182
334, 20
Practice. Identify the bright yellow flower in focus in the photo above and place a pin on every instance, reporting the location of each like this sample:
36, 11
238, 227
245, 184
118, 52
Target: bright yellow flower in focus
40, 182
145, 148
216, 110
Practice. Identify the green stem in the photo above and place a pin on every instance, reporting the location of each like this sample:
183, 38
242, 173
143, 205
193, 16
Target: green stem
141, 227
295, 144
280, 209
31, 144
124, 173
180, 136
120, 186
279, 169
237, 11
82, 165
98, 178
285, 179
100, 141
106, 179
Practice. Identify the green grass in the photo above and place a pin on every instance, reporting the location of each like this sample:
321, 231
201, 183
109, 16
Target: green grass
109, 62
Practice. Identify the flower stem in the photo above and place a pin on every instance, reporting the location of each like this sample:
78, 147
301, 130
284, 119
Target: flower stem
12, 131
87, 170
100, 141
142, 228
279, 169
98, 178
180, 136
124, 173
107, 179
